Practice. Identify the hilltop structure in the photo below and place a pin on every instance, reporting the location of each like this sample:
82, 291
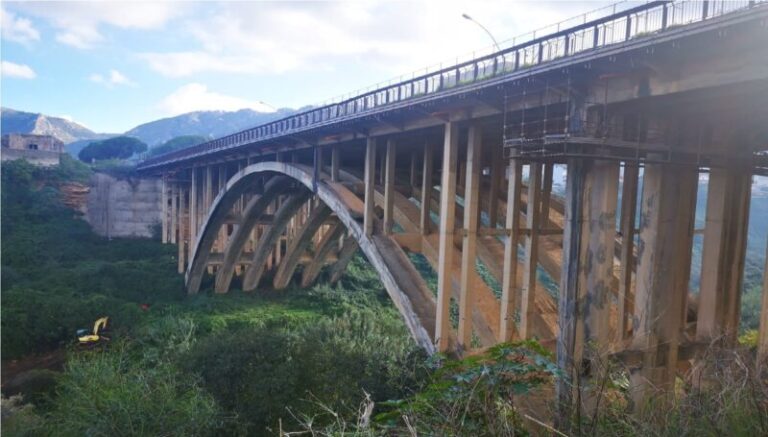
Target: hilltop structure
43, 150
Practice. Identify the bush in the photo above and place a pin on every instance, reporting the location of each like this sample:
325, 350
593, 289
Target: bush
110, 393
276, 373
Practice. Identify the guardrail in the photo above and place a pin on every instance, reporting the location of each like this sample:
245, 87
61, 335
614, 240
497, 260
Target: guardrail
620, 25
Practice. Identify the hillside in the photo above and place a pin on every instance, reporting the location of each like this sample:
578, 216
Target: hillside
205, 123
13, 121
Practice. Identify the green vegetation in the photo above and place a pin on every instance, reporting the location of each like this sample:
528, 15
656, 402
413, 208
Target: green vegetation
178, 143
112, 148
329, 360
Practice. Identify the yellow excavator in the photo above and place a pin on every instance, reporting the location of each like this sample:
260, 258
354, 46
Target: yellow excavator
97, 337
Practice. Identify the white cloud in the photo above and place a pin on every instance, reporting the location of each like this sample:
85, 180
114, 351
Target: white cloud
20, 71
114, 78
16, 28
397, 37
78, 23
197, 97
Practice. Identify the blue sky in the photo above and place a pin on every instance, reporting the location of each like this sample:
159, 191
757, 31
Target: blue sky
113, 65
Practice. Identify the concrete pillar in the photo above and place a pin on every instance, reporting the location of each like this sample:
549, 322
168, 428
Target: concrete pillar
724, 250
627, 226
666, 235
509, 286
183, 221
425, 220
370, 170
496, 178
469, 277
164, 201
389, 186
413, 174
335, 163
762, 341
527, 307
193, 194
546, 192
445, 238
174, 212
569, 289
598, 235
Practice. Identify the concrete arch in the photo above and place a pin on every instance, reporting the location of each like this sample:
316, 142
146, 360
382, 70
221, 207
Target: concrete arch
403, 283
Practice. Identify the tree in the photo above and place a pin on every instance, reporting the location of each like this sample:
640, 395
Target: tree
112, 148
178, 143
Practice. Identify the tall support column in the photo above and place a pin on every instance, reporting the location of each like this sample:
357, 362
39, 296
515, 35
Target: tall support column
533, 209
174, 212
389, 186
469, 278
183, 228
445, 238
598, 235
335, 163
193, 208
370, 171
663, 271
546, 192
569, 289
413, 174
221, 185
208, 193
425, 221
724, 250
509, 288
762, 341
164, 201
497, 166
627, 226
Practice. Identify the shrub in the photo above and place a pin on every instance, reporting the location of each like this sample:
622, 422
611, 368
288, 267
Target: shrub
109, 393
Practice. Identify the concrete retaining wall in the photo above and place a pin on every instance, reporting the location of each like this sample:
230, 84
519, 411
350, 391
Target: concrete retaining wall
123, 207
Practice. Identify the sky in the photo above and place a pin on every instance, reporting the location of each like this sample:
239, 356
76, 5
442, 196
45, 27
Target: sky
112, 65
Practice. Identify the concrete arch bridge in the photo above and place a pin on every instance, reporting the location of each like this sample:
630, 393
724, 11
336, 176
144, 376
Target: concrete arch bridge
458, 166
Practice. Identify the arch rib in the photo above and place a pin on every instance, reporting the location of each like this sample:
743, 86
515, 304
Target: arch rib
253, 211
324, 248
214, 219
298, 245
348, 250
267, 241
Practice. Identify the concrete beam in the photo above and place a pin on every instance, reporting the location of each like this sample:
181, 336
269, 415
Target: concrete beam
425, 220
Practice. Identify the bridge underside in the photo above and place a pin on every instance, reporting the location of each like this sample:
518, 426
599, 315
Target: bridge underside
595, 267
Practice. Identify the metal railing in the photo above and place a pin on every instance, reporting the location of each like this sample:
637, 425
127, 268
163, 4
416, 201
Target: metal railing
615, 24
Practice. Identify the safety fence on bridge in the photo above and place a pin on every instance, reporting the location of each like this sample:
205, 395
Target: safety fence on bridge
615, 24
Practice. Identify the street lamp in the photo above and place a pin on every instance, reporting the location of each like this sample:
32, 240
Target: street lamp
467, 17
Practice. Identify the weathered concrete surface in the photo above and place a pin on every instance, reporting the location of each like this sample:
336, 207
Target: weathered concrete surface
123, 207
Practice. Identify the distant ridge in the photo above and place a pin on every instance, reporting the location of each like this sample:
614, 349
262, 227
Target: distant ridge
205, 123
212, 124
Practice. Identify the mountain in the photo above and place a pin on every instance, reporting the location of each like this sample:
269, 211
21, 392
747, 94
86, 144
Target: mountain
213, 124
13, 121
